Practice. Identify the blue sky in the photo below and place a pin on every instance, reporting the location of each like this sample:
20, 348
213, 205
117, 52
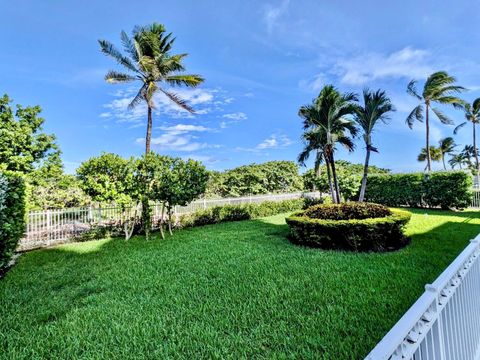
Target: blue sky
262, 60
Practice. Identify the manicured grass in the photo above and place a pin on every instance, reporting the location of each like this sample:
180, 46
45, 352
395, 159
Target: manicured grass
233, 290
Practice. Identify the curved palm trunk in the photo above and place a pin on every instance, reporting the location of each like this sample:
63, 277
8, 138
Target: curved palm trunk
148, 137
330, 184
443, 161
365, 174
475, 149
427, 128
335, 178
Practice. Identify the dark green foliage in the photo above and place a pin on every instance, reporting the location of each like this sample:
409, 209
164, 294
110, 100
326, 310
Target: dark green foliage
347, 211
227, 213
269, 177
443, 189
106, 178
12, 214
368, 234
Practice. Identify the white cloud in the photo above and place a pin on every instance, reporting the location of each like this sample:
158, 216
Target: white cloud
183, 128
273, 13
313, 85
274, 142
236, 116
405, 63
202, 100
206, 159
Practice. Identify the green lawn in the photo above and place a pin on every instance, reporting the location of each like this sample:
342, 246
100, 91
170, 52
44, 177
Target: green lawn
234, 290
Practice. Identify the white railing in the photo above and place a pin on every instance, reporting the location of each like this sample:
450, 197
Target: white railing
50, 227
476, 198
444, 323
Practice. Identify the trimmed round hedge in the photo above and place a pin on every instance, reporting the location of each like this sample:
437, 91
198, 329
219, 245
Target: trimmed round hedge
334, 226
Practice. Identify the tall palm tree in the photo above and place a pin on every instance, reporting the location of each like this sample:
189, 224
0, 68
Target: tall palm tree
148, 60
329, 114
447, 146
376, 108
472, 114
438, 88
435, 154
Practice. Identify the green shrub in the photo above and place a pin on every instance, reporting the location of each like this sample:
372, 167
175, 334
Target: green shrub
446, 189
226, 213
12, 214
347, 211
309, 201
370, 234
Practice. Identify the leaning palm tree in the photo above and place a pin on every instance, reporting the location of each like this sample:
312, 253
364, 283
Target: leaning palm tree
148, 60
376, 108
435, 155
329, 114
438, 88
447, 146
472, 114
457, 159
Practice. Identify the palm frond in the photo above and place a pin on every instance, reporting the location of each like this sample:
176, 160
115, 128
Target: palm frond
415, 114
118, 77
442, 117
412, 90
455, 131
110, 50
178, 100
139, 98
129, 46
186, 80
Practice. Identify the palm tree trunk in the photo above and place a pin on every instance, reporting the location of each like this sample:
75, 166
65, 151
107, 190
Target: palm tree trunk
475, 149
148, 137
329, 177
427, 128
365, 174
335, 178
443, 161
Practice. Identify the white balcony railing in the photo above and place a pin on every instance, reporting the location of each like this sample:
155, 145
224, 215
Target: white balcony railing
444, 323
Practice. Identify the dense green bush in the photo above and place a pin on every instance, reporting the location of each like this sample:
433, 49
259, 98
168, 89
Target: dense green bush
226, 213
368, 234
347, 211
12, 214
445, 189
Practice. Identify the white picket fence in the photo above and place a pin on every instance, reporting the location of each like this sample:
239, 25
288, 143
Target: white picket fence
51, 227
444, 323
476, 198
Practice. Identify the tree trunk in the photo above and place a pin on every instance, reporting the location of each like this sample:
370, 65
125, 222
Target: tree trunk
335, 178
427, 128
365, 174
475, 149
149, 130
329, 177
162, 234
443, 161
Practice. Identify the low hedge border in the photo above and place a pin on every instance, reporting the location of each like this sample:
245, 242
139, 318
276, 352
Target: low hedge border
372, 234
227, 213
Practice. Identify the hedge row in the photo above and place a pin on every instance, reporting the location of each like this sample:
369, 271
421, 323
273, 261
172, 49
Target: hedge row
12, 214
445, 189
226, 213
371, 234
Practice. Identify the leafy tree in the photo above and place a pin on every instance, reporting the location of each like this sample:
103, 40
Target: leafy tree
435, 155
376, 108
106, 178
469, 152
349, 178
23, 144
149, 61
328, 114
438, 88
472, 114
447, 146
269, 177
314, 141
